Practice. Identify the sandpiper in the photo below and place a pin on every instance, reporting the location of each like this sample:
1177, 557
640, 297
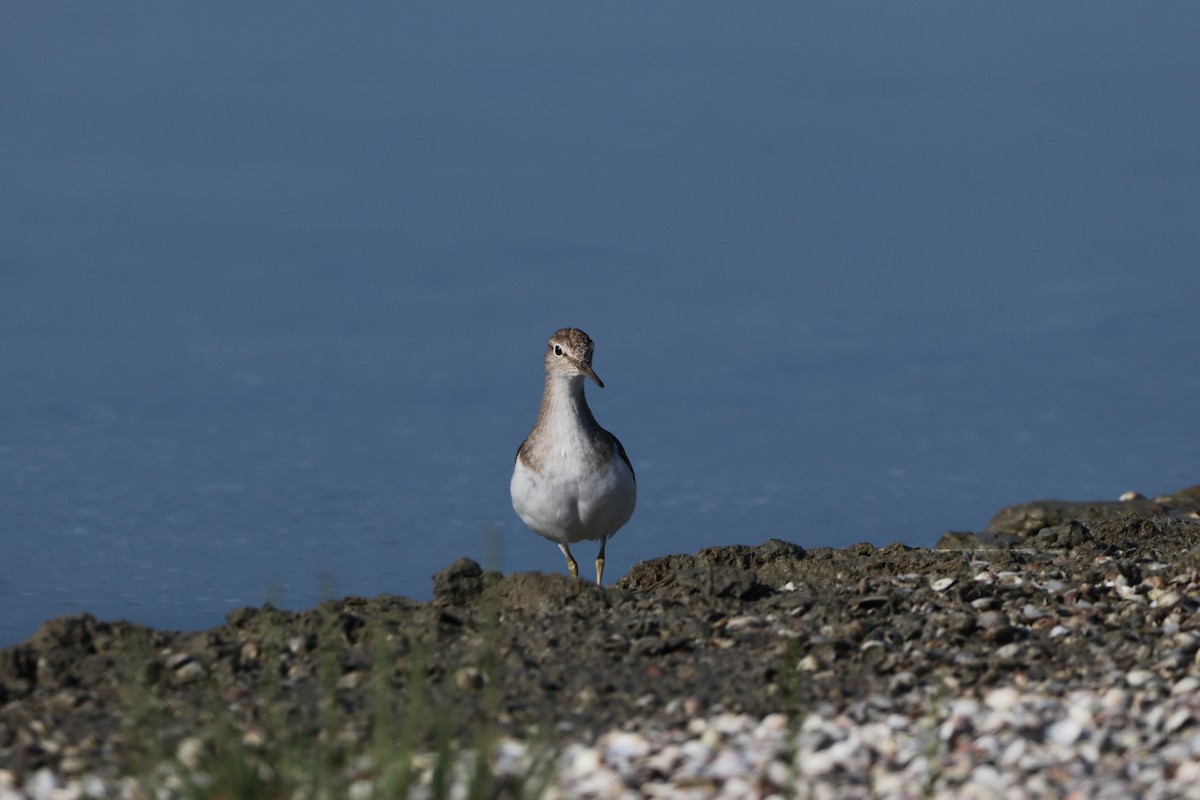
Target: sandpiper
572, 480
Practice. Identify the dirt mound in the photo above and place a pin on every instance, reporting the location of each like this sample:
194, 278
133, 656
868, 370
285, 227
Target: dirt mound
1074, 592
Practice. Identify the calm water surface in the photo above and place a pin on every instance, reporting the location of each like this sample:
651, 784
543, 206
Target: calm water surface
275, 283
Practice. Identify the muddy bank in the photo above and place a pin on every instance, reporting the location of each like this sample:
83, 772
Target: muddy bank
1062, 595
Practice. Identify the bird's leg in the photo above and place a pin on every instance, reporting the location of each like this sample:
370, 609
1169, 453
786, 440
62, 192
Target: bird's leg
600, 562
572, 567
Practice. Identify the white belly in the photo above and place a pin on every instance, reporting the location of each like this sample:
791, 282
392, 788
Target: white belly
568, 503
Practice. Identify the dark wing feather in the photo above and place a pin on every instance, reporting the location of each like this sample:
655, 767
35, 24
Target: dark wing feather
625, 458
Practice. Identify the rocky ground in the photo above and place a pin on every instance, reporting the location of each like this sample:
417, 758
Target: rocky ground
1057, 651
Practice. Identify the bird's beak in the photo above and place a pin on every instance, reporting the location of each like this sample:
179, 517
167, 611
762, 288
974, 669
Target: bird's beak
591, 373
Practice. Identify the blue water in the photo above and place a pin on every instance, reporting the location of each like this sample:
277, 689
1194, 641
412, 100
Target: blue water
275, 281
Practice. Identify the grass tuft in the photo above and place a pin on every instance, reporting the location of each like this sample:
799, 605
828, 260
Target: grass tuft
427, 734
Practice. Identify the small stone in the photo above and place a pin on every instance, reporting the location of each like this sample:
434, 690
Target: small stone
254, 737
1011, 578
1137, 678
728, 724
1002, 699
190, 752
587, 697
251, 651
1186, 639
872, 652
941, 584
1014, 753
597, 783
1168, 598
351, 680
695, 754
729, 763
965, 707
1067, 535
1188, 773
665, 761
992, 619
586, 760
742, 623
94, 787
1064, 732
954, 727
1177, 720
1009, 651
512, 757
71, 765
1030, 612
624, 747
469, 679
901, 682
189, 672
648, 700
1189, 685
893, 784
990, 779
1082, 707
816, 764
771, 725
780, 775
42, 785
1114, 700
737, 786
179, 660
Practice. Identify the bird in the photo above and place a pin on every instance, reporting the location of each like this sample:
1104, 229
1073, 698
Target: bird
572, 480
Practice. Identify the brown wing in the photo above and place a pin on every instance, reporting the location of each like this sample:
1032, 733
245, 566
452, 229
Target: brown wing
625, 458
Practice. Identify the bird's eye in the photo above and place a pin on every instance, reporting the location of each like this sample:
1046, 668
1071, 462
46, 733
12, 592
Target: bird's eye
557, 350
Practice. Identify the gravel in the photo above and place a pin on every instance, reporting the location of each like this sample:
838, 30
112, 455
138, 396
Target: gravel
1055, 653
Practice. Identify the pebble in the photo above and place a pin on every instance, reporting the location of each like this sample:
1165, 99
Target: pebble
1031, 612
1010, 741
1002, 699
1064, 732
1008, 651
624, 747
1137, 678
728, 764
190, 752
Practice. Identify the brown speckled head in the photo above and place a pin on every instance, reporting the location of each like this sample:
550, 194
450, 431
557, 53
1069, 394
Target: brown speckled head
569, 353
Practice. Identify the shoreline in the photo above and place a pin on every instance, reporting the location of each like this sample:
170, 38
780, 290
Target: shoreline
998, 636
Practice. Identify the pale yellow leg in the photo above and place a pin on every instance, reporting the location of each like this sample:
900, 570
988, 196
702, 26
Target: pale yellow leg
600, 563
572, 567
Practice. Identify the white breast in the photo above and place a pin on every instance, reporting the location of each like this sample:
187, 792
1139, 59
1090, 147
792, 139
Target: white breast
572, 500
